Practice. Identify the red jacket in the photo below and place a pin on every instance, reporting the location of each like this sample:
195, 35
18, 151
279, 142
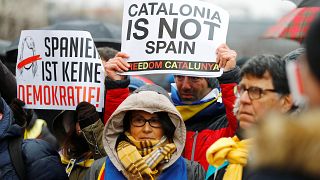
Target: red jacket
116, 92
222, 123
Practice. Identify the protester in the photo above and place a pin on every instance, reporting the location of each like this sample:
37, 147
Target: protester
36, 128
80, 136
292, 147
206, 106
263, 88
199, 101
25, 159
144, 139
115, 93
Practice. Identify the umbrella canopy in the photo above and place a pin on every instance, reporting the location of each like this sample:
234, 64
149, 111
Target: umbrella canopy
296, 23
103, 34
3, 45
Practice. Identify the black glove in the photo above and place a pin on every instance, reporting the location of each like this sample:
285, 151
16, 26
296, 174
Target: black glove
21, 116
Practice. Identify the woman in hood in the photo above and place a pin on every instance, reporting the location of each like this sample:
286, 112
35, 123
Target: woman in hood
144, 139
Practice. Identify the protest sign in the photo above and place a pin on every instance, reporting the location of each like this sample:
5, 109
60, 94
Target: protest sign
169, 36
58, 70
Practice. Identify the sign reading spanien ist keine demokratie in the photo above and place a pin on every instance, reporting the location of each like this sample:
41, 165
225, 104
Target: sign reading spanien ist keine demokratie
58, 70
168, 36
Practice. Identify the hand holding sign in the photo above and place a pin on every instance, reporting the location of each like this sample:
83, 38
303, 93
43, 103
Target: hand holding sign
116, 65
226, 57
176, 37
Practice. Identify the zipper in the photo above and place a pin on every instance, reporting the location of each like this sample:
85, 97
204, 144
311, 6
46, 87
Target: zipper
194, 145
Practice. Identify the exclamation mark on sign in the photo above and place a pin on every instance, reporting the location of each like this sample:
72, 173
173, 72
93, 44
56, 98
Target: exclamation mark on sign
98, 96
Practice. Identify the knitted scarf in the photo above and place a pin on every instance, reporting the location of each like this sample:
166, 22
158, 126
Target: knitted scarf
142, 157
198, 108
233, 150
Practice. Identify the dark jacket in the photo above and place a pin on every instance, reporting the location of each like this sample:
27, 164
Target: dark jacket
40, 160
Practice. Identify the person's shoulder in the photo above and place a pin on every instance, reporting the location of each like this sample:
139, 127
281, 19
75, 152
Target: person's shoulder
41, 160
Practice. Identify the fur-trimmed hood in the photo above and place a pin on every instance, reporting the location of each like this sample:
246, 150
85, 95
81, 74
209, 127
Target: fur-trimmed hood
149, 101
289, 143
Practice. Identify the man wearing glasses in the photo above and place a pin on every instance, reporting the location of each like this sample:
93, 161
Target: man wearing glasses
263, 88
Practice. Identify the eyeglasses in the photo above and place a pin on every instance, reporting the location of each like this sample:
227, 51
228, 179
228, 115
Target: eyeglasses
253, 92
140, 122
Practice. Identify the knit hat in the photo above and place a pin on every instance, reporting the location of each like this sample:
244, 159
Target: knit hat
155, 88
86, 114
212, 82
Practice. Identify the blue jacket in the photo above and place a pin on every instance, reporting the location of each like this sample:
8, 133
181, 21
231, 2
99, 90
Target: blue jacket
40, 159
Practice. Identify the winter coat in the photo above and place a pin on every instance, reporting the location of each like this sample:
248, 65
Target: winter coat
41, 161
116, 92
214, 121
194, 170
154, 103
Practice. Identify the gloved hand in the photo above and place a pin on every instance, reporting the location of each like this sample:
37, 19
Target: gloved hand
21, 116
86, 114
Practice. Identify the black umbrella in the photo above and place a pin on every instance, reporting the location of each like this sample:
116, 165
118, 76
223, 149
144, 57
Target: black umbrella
3, 46
103, 34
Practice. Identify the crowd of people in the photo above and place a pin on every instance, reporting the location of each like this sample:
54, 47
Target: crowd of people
244, 124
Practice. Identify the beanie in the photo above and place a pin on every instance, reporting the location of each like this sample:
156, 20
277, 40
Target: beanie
86, 114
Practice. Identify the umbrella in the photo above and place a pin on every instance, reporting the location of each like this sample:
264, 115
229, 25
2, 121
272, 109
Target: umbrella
103, 34
296, 23
3, 45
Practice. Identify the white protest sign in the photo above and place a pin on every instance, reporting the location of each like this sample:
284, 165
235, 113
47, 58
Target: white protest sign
170, 36
58, 70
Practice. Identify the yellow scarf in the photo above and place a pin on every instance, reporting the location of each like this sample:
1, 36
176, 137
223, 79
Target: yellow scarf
188, 111
72, 162
35, 130
142, 157
233, 150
